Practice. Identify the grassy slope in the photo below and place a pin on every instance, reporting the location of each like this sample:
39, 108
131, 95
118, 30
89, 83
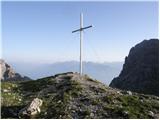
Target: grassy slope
65, 96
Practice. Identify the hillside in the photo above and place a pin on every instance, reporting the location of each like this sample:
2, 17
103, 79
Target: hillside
140, 71
68, 95
7, 72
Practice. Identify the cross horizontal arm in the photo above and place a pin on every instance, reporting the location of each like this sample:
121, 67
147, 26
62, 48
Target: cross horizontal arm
86, 27
76, 30
82, 29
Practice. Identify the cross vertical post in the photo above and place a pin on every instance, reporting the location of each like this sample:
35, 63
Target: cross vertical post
81, 41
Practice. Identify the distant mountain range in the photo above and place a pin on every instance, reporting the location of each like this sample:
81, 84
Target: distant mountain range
103, 72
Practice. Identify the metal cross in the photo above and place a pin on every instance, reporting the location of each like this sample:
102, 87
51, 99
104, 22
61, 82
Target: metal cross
81, 39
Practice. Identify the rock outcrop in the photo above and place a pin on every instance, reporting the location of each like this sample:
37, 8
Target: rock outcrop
32, 109
71, 96
140, 71
7, 73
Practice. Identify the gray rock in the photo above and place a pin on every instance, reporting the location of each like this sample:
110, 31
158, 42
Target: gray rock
32, 109
5, 90
91, 114
129, 92
125, 113
151, 113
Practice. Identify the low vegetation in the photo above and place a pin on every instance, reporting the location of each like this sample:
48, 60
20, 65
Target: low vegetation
70, 96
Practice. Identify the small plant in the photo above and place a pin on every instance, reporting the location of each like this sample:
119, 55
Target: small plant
95, 101
85, 113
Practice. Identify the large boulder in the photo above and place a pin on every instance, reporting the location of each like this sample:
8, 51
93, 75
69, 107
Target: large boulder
140, 71
32, 109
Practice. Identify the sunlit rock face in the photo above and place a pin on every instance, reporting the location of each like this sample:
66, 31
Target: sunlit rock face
7, 73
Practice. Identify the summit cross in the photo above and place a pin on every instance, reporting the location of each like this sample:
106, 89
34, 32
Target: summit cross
81, 40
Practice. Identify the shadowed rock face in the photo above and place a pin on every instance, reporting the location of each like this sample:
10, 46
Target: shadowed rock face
7, 73
140, 71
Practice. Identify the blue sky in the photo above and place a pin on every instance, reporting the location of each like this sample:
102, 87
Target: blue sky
41, 31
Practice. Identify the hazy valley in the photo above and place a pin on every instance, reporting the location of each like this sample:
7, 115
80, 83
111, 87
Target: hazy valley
103, 72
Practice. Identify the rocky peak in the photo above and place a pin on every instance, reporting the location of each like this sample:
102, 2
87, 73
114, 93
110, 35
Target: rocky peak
7, 72
140, 71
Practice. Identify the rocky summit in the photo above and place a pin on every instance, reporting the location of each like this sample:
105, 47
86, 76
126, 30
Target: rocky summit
140, 71
69, 95
7, 73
